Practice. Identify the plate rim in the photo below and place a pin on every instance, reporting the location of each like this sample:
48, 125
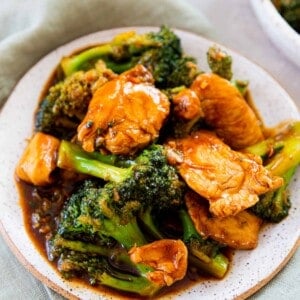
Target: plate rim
46, 280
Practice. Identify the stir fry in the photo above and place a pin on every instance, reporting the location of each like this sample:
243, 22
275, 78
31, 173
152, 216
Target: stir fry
143, 169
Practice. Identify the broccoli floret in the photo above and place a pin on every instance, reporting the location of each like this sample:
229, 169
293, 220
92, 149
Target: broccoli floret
274, 206
281, 154
160, 52
170, 68
147, 218
111, 267
66, 102
62, 109
203, 253
94, 215
219, 62
184, 73
149, 176
148, 183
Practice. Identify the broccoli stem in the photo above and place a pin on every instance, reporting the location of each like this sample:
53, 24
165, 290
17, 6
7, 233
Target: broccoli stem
287, 177
287, 158
72, 64
217, 267
265, 148
202, 254
127, 235
134, 284
119, 55
146, 219
72, 157
81, 61
116, 255
80, 246
126, 276
281, 154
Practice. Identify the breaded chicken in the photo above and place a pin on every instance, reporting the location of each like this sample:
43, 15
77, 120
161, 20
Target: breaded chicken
125, 114
231, 181
227, 112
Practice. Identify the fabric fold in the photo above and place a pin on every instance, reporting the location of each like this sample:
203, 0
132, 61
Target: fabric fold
43, 26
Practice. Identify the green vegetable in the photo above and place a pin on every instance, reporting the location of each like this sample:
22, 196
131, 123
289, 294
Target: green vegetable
274, 206
106, 217
66, 102
93, 214
281, 154
160, 52
219, 62
203, 253
149, 182
111, 267
184, 72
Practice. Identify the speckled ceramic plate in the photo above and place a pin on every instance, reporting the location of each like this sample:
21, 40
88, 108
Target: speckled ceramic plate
250, 269
284, 37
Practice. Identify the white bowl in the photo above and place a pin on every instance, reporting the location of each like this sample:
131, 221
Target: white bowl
284, 37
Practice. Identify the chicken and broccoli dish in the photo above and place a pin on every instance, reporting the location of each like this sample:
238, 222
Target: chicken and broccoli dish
144, 170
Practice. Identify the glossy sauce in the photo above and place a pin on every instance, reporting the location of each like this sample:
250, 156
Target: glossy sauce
41, 207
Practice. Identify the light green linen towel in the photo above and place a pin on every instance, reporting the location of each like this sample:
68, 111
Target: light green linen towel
32, 28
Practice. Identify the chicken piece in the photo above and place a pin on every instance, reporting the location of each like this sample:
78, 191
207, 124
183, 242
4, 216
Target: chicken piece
125, 114
168, 257
187, 105
227, 112
231, 181
238, 232
38, 161
71, 96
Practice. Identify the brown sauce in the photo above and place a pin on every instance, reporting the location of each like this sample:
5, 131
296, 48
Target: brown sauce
41, 207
